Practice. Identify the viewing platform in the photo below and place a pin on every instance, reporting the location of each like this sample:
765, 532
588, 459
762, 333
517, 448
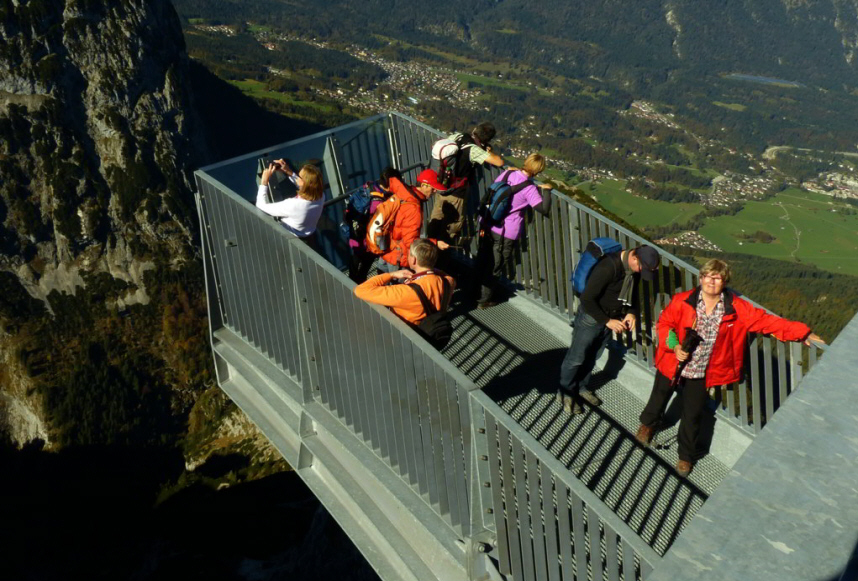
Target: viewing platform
460, 464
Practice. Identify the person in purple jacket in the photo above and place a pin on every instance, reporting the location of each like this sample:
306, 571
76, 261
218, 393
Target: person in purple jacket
497, 242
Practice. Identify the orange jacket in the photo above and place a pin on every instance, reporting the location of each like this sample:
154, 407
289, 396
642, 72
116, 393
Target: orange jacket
402, 299
726, 363
406, 224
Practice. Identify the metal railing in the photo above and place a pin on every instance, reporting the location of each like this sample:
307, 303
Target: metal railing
549, 251
418, 413
405, 401
534, 504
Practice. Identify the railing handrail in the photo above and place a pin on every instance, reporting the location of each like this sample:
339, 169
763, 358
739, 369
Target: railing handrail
546, 281
398, 323
292, 142
562, 472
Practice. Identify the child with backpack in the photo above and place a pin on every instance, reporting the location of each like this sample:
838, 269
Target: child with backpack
502, 222
361, 206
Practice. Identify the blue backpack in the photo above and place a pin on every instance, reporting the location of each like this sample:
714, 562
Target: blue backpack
593, 253
497, 200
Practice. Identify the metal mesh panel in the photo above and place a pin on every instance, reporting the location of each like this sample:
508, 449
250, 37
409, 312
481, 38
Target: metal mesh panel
517, 362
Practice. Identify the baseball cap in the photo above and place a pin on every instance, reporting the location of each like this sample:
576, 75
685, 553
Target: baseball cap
649, 260
428, 176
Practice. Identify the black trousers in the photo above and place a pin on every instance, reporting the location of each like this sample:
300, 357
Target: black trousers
359, 264
694, 396
493, 258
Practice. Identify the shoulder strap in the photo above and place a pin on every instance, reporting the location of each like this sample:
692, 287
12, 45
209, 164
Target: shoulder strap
428, 307
518, 187
427, 304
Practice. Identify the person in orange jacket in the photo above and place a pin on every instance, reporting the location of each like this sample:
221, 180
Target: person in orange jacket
408, 220
403, 300
722, 320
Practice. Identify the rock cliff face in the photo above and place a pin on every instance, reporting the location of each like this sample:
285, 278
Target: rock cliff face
96, 151
95, 141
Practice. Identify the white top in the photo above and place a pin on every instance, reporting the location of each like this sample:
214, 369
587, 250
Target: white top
297, 215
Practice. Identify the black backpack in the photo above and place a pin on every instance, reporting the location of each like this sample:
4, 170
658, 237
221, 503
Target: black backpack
436, 326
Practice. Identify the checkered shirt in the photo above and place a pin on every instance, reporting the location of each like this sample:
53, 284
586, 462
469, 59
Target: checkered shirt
707, 327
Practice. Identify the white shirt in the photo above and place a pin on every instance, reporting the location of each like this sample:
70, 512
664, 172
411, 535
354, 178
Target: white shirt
297, 215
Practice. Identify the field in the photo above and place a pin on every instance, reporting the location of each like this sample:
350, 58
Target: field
257, 90
636, 210
488, 81
811, 228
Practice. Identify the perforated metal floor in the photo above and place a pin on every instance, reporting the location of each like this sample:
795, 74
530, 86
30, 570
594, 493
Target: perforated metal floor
517, 363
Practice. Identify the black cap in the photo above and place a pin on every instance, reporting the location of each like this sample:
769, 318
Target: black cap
649, 259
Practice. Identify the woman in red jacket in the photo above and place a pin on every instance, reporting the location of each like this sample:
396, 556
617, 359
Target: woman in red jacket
723, 321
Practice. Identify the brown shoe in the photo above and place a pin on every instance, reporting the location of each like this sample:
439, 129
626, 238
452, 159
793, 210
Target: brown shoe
644, 435
569, 405
683, 468
591, 398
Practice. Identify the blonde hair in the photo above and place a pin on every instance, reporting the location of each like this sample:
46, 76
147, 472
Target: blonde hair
313, 188
424, 252
715, 266
534, 164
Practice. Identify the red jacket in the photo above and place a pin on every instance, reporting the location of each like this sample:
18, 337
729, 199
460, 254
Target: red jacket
726, 364
406, 224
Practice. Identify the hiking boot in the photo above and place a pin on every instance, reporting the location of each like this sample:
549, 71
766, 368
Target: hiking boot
683, 468
591, 398
486, 305
569, 405
644, 435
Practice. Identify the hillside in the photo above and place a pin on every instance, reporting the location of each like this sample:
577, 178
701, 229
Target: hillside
119, 453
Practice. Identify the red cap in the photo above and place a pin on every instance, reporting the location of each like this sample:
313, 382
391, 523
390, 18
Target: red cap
428, 176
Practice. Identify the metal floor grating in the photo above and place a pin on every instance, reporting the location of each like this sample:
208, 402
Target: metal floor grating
517, 363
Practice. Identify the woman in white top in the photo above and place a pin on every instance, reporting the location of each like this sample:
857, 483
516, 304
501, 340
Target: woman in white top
300, 214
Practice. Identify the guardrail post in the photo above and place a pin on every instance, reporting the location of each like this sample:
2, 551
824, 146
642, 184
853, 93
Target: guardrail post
482, 505
482, 542
307, 334
333, 166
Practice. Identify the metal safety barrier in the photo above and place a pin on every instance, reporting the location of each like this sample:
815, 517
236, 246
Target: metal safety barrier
480, 472
549, 252
548, 525
404, 400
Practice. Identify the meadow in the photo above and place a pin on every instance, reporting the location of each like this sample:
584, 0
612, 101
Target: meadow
611, 194
258, 90
807, 227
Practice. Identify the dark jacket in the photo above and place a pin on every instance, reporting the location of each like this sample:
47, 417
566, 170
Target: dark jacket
740, 318
601, 296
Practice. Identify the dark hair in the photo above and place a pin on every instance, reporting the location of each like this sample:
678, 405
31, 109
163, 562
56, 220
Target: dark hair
484, 132
386, 174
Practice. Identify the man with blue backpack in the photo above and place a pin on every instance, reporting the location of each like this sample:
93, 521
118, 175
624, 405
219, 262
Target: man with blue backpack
502, 222
607, 278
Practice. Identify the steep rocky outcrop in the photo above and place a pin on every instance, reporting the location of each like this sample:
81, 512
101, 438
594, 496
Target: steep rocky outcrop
96, 138
97, 143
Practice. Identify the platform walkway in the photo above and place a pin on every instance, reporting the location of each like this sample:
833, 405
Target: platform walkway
513, 352
458, 465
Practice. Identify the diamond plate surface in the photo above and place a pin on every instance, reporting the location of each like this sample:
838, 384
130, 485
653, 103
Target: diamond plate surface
517, 363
